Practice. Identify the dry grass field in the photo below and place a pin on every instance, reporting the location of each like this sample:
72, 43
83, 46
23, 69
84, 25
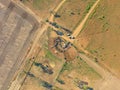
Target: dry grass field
101, 35
77, 70
41, 7
72, 12
45, 57
71, 71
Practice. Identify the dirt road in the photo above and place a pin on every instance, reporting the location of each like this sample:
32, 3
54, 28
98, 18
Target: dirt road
43, 29
15, 85
80, 27
109, 82
56, 9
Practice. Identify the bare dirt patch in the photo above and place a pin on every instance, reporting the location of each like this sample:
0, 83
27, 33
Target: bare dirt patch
70, 54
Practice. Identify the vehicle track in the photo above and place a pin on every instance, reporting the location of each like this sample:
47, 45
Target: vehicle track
56, 9
109, 82
81, 25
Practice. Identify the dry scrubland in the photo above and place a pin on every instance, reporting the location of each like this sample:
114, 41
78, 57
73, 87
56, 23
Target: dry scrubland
101, 35
41, 7
77, 70
34, 83
72, 12
72, 71
45, 57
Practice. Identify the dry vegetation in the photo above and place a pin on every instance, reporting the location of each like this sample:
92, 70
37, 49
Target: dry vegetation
73, 70
77, 70
46, 57
101, 35
41, 7
72, 12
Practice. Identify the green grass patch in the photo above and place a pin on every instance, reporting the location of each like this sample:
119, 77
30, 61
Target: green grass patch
51, 56
66, 66
90, 4
85, 69
88, 7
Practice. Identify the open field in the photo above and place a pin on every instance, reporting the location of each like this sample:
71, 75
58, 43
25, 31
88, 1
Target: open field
101, 35
53, 59
76, 67
41, 7
17, 28
72, 12
77, 70
71, 71
37, 48
45, 57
